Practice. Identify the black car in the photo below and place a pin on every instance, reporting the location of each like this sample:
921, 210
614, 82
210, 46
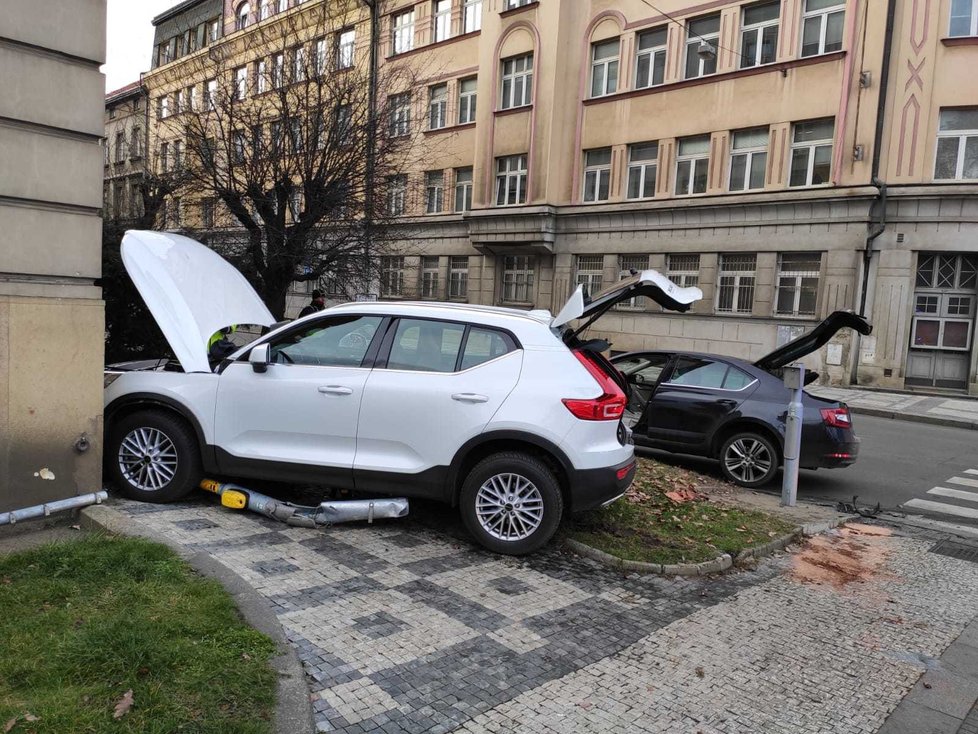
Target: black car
733, 410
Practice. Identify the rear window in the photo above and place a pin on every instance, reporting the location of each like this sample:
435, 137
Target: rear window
483, 345
696, 372
736, 379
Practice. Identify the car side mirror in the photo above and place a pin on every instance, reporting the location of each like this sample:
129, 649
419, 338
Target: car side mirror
259, 358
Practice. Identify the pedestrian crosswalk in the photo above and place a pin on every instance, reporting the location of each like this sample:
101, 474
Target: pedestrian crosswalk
960, 499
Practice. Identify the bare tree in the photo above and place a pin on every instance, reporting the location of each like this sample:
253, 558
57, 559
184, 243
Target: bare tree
280, 137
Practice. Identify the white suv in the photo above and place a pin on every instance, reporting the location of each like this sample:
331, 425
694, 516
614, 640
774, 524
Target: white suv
503, 413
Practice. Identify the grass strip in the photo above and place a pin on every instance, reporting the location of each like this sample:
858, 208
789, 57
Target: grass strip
646, 525
85, 621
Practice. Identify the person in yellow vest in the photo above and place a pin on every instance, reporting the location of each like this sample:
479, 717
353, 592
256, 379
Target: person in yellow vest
220, 345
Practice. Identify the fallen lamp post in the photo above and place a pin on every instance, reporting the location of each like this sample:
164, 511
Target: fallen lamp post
236, 497
72, 503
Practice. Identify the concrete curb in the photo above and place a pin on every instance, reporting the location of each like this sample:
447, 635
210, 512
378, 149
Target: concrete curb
293, 710
932, 420
718, 564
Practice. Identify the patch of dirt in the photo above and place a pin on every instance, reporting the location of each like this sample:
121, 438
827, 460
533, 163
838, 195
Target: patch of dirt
853, 554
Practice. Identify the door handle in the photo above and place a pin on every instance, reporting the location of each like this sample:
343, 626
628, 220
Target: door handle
335, 390
728, 403
470, 397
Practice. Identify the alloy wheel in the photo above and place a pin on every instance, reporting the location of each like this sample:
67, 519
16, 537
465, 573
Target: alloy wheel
509, 507
147, 459
748, 460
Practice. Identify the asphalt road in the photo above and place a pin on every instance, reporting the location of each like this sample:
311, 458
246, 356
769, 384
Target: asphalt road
898, 461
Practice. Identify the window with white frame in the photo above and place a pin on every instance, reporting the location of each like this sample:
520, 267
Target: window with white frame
241, 82
179, 102
283, 5
299, 64
120, 147
242, 16
957, 144
692, 165
177, 155
702, 35
643, 160
650, 61
471, 16
442, 19
467, 89
265, 9
239, 146
345, 44
295, 205
518, 279
511, 175
512, 4
136, 143
194, 97
963, 19
402, 31
822, 22
429, 276
748, 159
604, 67
735, 283
296, 137
320, 58
627, 264
163, 107
517, 82
396, 195
211, 91
278, 70
683, 269
458, 276
437, 106
261, 76
811, 153
759, 33
589, 272
214, 30
391, 275
434, 197
343, 121
797, 289
597, 174
399, 114
463, 189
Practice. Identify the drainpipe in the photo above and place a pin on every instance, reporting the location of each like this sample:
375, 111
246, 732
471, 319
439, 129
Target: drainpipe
878, 207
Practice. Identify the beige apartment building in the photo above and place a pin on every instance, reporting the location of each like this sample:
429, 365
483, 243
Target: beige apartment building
126, 140
789, 157
51, 312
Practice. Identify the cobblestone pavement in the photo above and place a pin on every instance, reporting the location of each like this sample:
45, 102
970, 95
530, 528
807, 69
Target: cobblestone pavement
402, 629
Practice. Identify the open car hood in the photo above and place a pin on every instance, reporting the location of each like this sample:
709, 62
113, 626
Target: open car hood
191, 291
814, 339
649, 283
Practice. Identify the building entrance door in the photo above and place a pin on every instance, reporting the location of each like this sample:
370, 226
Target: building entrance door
943, 321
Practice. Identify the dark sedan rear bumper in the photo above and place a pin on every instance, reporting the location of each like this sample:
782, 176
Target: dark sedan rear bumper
830, 448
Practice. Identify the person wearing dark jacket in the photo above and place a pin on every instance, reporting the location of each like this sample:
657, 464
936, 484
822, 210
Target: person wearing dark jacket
318, 304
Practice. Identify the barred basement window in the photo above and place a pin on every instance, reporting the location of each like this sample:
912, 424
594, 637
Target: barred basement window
458, 276
683, 270
626, 264
518, 279
590, 269
391, 276
735, 283
429, 277
797, 290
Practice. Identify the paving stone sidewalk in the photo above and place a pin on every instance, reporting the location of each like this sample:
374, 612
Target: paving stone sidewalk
402, 629
950, 411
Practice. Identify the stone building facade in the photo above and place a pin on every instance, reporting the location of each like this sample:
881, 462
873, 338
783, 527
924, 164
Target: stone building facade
51, 312
126, 143
790, 157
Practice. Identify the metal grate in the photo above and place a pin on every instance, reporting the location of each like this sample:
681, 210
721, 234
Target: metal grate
956, 549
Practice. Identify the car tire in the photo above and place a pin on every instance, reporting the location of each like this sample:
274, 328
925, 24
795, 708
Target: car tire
153, 456
517, 523
749, 459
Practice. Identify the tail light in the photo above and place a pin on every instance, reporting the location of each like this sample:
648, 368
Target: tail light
836, 417
609, 406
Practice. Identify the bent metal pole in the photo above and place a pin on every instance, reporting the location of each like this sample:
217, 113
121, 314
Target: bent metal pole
794, 380
28, 513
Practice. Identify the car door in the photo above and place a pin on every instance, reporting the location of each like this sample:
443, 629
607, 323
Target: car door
298, 418
642, 371
436, 385
697, 395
